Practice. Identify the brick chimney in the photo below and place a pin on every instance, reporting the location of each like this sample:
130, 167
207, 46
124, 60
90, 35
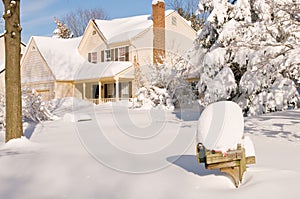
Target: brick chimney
159, 38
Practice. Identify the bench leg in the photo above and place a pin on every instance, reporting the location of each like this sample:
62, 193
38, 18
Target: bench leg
234, 173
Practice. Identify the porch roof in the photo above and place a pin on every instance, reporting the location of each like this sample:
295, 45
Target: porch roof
89, 71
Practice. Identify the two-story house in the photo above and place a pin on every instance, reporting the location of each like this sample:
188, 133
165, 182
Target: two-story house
99, 66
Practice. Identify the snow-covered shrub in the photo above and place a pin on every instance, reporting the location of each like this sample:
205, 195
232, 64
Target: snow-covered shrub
34, 108
155, 97
248, 52
167, 85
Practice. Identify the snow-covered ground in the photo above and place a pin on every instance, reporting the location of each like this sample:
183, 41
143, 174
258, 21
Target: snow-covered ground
114, 152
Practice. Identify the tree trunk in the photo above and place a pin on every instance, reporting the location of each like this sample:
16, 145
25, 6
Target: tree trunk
12, 73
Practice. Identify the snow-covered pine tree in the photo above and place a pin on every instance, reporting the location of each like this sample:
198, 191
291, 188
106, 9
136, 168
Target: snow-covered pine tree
62, 30
248, 52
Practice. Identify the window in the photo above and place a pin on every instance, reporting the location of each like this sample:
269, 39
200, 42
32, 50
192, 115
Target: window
124, 90
115, 54
112, 54
123, 54
107, 55
174, 21
92, 57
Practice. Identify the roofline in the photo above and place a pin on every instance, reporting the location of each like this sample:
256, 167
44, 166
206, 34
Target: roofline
32, 40
97, 29
2, 71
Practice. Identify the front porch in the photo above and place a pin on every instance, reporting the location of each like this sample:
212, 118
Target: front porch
105, 90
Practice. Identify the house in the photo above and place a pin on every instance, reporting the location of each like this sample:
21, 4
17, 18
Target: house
100, 65
2, 62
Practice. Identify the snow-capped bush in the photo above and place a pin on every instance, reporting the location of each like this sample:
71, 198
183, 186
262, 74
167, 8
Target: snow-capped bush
248, 52
167, 86
155, 97
33, 108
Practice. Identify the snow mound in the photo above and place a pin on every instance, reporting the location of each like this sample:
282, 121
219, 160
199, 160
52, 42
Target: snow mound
249, 147
221, 126
22, 142
70, 117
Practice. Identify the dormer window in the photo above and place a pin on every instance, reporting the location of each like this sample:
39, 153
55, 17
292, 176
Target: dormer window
92, 57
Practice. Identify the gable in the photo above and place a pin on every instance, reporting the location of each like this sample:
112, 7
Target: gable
92, 41
33, 67
179, 34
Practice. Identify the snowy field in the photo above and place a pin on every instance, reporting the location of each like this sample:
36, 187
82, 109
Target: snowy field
112, 152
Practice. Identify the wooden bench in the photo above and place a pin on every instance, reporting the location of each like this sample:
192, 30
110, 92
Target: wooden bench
233, 162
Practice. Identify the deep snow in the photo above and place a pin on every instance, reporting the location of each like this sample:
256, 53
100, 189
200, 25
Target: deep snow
55, 163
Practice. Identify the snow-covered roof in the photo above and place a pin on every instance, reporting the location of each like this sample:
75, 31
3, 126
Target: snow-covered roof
61, 55
101, 70
66, 63
124, 29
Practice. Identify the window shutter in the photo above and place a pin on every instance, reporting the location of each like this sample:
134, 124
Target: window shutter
89, 57
116, 54
102, 56
127, 53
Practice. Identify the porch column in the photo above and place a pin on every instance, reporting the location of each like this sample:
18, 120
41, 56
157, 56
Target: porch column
83, 91
100, 91
117, 88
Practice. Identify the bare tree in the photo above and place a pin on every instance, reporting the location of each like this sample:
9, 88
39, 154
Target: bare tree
78, 20
187, 9
13, 95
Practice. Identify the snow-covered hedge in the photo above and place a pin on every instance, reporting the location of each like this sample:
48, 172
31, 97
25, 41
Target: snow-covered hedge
248, 52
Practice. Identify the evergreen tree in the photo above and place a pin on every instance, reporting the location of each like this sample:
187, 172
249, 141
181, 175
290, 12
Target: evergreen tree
62, 30
248, 52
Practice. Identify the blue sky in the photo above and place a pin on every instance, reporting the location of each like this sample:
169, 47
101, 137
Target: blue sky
37, 15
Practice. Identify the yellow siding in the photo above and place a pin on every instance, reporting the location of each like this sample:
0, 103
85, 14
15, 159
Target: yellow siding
64, 89
45, 89
34, 68
78, 90
179, 36
35, 73
142, 48
91, 42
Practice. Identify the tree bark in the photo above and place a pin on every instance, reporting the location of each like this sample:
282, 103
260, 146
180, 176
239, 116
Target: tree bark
13, 93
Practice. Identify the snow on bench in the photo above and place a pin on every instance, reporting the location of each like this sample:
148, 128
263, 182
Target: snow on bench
221, 142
